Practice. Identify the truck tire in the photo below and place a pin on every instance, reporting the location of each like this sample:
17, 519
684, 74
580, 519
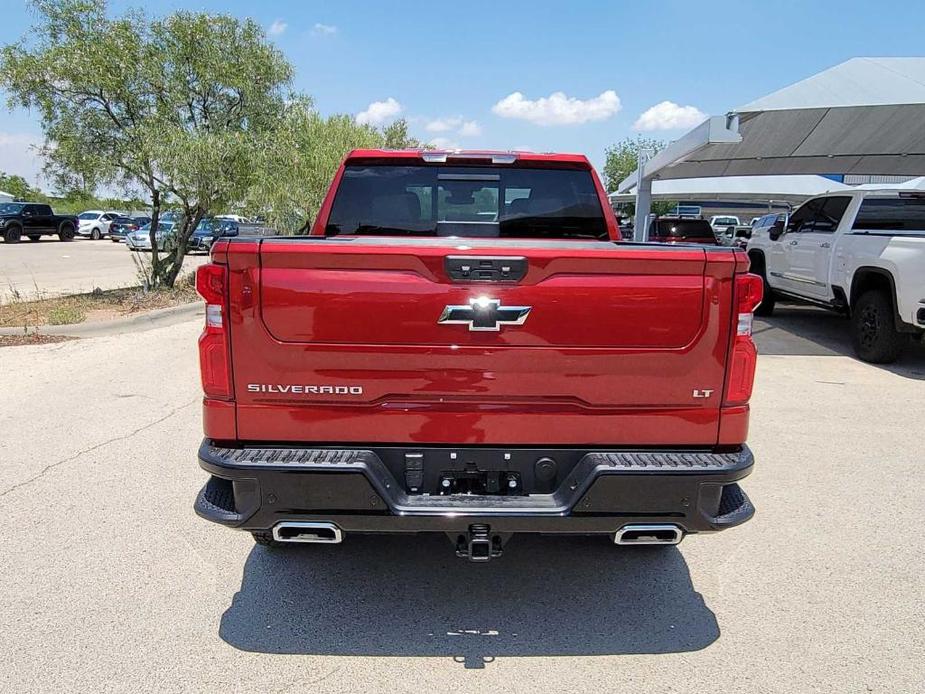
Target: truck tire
873, 328
766, 307
34, 237
66, 232
96, 234
12, 234
266, 539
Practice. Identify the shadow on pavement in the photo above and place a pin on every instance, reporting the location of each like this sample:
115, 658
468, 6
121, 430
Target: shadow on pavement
26, 242
411, 596
809, 331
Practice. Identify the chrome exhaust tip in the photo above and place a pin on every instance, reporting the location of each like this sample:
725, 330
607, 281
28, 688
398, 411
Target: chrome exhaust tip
661, 534
307, 531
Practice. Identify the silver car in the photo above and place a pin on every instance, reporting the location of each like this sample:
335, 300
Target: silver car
140, 240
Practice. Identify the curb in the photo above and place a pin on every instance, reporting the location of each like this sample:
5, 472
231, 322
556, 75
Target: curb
145, 321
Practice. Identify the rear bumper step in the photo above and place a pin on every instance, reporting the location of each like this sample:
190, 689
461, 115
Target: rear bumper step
359, 490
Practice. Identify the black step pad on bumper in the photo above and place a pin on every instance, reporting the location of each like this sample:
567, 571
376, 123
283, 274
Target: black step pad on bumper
600, 491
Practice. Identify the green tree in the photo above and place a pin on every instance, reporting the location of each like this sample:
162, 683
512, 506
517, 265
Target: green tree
395, 136
622, 160
179, 108
17, 186
296, 168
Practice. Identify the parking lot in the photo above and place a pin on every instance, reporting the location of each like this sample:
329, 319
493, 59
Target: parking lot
111, 583
50, 268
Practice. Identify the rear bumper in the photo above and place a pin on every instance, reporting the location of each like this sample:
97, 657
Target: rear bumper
199, 243
603, 491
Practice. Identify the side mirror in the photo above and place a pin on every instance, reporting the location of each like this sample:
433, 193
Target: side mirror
776, 230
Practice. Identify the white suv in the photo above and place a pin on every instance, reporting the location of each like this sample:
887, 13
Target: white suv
95, 223
861, 252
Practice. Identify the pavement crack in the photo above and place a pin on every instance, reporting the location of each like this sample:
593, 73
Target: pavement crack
51, 466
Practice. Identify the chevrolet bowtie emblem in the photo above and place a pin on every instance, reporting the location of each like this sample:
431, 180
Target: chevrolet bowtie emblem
483, 313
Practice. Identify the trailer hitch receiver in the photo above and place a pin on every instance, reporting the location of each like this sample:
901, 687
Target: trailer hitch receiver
479, 544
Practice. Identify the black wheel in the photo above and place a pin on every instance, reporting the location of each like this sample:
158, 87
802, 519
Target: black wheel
66, 232
873, 328
12, 234
96, 234
766, 307
265, 538
34, 237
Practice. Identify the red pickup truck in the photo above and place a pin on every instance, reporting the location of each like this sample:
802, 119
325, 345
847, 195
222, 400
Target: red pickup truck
461, 346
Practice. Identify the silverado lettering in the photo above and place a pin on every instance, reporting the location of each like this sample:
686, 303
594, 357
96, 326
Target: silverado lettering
296, 389
473, 420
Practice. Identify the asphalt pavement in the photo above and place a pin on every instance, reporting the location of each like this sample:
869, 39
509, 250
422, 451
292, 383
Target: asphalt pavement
111, 583
47, 268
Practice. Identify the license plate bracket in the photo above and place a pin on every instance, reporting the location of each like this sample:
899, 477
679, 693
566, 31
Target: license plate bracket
480, 482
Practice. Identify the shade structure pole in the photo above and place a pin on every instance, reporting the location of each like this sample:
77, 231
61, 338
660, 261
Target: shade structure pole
643, 208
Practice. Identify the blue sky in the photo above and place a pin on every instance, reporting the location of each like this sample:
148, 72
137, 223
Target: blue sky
483, 74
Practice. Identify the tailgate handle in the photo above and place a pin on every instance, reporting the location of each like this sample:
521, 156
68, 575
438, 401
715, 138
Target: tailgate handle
475, 268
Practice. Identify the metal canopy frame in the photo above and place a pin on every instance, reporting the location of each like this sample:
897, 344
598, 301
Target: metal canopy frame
783, 189
863, 116
713, 131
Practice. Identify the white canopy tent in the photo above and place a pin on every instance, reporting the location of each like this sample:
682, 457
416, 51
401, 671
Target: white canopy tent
916, 184
789, 189
864, 116
5, 197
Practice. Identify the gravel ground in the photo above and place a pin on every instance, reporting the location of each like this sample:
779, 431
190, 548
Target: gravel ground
110, 583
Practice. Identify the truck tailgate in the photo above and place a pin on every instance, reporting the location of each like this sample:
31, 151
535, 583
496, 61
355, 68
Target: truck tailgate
338, 340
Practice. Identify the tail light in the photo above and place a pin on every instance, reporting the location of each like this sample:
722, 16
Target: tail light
214, 364
743, 356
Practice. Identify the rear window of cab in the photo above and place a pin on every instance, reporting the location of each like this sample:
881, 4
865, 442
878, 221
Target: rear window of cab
467, 201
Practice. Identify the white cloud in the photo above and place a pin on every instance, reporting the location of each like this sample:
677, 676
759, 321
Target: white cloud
324, 29
17, 156
277, 27
558, 109
379, 112
470, 128
442, 125
669, 116
457, 124
444, 143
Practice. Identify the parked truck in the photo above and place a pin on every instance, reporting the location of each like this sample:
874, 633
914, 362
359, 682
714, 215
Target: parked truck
460, 346
861, 253
34, 220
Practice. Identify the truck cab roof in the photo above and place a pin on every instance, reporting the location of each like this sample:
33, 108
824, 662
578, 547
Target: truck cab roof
466, 193
474, 155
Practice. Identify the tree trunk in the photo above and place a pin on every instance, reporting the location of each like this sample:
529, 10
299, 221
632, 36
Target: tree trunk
305, 228
155, 216
191, 219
